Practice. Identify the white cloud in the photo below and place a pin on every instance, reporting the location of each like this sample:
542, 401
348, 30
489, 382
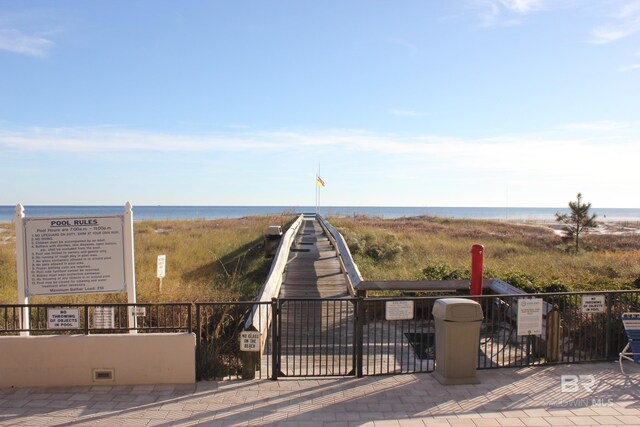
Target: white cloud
630, 67
407, 113
506, 12
408, 46
602, 125
526, 154
15, 41
625, 21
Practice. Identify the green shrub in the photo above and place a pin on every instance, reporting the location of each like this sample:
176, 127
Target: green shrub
443, 271
379, 248
521, 280
555, 286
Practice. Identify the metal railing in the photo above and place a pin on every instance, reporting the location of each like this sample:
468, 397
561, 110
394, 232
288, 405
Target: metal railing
94, 318
219, 327
348, 336
571, 332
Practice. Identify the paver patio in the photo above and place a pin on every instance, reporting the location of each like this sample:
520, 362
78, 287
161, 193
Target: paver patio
506, 397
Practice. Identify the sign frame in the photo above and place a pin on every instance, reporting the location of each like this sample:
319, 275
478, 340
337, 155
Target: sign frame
127, 254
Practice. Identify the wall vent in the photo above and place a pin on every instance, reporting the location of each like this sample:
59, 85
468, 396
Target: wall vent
103, 375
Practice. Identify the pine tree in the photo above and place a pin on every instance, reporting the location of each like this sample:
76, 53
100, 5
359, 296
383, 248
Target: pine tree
578, 220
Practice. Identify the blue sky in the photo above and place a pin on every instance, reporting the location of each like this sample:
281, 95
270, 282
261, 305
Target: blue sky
402, 103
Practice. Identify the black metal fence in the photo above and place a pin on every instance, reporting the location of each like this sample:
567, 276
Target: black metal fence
576, 327
348, 336
219, 328
94, 318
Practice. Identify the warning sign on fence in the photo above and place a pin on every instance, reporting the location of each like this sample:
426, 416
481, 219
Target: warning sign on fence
593, 303
249, 341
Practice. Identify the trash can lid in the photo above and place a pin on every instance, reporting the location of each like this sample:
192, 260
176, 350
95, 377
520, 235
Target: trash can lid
457, 310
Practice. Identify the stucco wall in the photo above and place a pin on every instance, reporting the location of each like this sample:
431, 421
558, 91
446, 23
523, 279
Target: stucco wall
69, 360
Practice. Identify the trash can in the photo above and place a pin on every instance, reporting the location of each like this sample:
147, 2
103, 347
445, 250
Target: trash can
458, 323
272, 240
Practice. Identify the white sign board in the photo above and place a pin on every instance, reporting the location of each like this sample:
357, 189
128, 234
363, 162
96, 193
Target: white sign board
63, 318
530, 316
249, 341
66, 256
398, 310
593, 303
103, 318
162, 266
138, 311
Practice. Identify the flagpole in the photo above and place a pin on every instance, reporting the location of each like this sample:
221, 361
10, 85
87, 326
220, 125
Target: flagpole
318, 208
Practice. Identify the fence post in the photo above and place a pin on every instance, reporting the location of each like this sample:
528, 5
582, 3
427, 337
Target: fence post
189, 320
553, 335
198, 345
275, 350
86, 320
359, 336
607, 332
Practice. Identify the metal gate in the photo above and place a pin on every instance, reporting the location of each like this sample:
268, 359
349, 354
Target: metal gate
316, 337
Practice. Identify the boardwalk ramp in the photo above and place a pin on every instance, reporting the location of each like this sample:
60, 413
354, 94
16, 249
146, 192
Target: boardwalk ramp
316, 311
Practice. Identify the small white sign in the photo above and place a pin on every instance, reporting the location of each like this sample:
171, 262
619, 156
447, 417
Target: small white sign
139, 311
103, 318
593, 303
398, 310
530, 316
162, 266
63, 318
249, 341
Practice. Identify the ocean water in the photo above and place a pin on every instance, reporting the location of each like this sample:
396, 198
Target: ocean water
7, 213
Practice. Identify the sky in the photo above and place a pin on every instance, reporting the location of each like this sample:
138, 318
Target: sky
519, 103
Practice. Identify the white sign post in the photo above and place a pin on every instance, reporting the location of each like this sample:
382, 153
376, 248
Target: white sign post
75, 255
161, 269
530, 316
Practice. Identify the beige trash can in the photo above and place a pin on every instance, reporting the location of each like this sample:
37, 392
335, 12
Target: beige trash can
458, 323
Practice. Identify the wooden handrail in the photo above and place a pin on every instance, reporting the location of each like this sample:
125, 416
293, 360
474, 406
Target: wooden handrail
271, 288
347, 265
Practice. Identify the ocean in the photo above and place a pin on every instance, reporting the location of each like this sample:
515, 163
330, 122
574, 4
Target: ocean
7, 213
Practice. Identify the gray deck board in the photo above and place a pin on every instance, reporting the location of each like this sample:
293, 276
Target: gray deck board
316, 336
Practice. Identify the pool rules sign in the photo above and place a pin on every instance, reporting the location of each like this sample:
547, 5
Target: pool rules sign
74, 255
67, 256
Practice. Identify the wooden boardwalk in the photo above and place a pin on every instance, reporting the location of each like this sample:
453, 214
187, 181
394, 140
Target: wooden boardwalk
313, 268
316, 335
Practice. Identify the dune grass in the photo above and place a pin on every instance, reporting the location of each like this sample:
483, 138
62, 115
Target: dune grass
223, 260
218, 260
528, 256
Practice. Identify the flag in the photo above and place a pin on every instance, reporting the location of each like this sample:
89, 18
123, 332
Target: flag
319, 181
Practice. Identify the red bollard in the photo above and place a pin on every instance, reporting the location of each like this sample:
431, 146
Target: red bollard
477, 256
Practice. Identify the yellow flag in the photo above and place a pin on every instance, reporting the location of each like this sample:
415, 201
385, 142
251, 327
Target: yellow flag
319, 181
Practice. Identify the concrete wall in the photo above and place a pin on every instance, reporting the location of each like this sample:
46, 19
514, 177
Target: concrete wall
70, 360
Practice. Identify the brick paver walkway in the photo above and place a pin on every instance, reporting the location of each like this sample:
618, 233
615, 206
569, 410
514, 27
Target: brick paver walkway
506, 397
